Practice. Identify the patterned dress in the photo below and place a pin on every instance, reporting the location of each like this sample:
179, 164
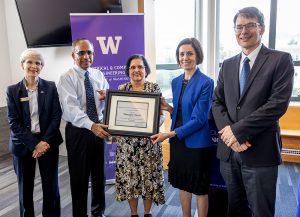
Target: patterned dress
139, 167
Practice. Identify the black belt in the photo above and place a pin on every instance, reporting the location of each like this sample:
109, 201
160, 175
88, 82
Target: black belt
69, 124
36, 133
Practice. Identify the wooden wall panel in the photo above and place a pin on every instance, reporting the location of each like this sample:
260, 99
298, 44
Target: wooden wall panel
291, 119
141, 6
165, 145
290, 134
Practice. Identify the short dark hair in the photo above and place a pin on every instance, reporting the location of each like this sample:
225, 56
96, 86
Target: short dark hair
195, 44
137, 56
76, 41
251, 12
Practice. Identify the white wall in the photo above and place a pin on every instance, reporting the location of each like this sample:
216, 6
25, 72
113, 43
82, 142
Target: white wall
57, 59
130, 6
5, 70
150, 37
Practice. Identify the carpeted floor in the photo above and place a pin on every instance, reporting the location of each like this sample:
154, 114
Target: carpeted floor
286, 202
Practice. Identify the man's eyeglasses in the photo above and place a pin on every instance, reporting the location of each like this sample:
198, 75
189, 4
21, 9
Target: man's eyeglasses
83, 52
248, 26
139, 67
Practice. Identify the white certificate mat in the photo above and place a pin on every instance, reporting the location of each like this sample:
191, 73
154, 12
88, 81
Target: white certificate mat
135, 113
132, 113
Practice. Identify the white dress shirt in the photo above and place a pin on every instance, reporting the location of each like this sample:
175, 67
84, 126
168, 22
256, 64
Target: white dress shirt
72, 95
33, 108
252, 56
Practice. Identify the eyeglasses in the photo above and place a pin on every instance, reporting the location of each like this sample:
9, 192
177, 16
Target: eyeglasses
248, 26
83, 52
139, 67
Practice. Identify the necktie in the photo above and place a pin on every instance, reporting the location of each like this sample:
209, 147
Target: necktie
91, 110
244, 74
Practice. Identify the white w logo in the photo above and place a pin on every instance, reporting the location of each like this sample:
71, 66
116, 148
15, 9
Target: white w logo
110, 44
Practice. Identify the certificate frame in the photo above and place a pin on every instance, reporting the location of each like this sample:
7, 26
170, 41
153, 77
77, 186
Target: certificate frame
132, 113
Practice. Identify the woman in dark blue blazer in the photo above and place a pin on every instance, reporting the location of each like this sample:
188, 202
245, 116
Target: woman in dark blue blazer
190, 141
34, 116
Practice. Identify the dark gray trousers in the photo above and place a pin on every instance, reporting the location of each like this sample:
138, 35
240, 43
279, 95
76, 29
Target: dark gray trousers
251, 190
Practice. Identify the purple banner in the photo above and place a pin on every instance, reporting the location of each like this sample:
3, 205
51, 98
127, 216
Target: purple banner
216, 180
115, 37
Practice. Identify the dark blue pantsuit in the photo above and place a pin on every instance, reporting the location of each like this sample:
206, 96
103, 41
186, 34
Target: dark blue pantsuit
25, 167
23, 142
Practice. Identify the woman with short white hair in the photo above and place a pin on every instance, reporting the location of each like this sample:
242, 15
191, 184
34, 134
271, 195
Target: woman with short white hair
34, 116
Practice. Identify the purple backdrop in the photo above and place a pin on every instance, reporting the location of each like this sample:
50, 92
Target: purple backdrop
115, 38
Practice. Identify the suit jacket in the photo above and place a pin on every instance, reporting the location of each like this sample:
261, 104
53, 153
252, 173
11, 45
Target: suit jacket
196, 104
254, 115
21, 139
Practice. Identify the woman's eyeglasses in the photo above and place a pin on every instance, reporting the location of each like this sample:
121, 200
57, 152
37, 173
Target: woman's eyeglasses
139, 67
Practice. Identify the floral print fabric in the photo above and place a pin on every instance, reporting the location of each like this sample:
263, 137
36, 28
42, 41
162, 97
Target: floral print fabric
139, 168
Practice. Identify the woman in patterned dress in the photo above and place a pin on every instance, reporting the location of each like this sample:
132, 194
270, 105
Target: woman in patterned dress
139, 168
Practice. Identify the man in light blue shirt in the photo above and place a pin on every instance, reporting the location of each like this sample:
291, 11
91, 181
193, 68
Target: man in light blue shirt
79, 92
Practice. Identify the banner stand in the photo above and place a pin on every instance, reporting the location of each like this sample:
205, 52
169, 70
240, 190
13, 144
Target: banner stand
115, 38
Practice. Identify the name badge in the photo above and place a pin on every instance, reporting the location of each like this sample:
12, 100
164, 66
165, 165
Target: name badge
24, 99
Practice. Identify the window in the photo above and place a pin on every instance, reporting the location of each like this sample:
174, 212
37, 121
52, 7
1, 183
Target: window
228, 44
282, 33
169, 32
285, 32
174, 21
296, 89
287, 28
288, 36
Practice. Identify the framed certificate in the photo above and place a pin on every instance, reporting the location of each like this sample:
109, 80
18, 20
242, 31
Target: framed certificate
131, 113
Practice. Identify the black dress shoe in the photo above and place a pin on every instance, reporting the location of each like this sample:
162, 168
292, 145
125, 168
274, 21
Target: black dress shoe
134, 215
148, 215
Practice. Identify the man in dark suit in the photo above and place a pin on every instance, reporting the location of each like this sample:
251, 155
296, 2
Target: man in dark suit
248, 101
34, 116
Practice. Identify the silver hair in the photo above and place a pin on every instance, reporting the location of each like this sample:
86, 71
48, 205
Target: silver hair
31, 53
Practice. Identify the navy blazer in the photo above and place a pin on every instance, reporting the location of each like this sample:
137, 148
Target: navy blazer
21, 139
254, 115
196, 104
